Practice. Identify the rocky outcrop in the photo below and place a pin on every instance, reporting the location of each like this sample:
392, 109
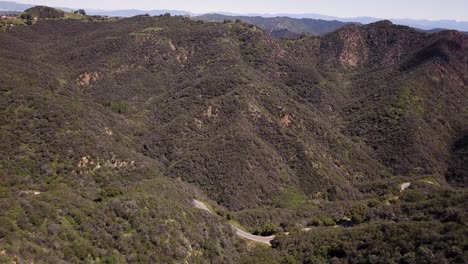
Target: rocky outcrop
86, 79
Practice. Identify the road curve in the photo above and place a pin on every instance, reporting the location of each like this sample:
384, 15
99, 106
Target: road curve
201, 206
239, 232
404, 186
260, 239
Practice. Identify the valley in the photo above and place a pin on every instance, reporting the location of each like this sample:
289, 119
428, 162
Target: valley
111, 128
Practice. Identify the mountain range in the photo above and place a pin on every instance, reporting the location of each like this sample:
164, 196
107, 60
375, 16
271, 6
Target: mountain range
423, 24
13, 6
420, 24
276, 25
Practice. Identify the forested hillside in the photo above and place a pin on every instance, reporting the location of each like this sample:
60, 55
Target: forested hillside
295, 26
109, 130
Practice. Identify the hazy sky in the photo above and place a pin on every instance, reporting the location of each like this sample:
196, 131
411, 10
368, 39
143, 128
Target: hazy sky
418, 9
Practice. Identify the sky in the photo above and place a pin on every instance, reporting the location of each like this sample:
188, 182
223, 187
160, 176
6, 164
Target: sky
415, 9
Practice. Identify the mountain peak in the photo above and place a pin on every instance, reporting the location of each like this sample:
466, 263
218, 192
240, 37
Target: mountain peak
385, 22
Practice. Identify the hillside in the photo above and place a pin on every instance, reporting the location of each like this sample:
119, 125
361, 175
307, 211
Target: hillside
271, 24
425, 25
44, 12
110, 129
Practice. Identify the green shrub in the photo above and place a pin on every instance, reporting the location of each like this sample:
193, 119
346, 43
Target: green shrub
118, 107
26, 16
267, 230
413, 196
328, 221
315, 222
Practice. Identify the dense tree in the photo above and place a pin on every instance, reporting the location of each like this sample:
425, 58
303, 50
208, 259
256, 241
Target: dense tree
107, 137
80, 12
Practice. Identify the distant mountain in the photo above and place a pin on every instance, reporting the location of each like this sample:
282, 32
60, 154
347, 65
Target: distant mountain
293, 26
135, 12
415, 23
429, 25
420, 24
278, 25
9, 12
12, 6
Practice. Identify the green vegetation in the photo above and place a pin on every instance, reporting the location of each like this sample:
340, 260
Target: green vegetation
267, 230
431, 181
328, 221
152, 29
290, 198
117, 107
401, 243
290, 28
107, 137
43, 12
33, 15
12, 22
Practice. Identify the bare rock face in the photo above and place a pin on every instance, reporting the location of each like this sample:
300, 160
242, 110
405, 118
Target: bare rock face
378, 44
86, 79
354, 51
345, 48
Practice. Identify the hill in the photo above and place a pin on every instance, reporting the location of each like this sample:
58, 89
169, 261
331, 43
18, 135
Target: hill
426, 25
44, 12
312, 26
110, 129
422, 24
13, 6
134, 12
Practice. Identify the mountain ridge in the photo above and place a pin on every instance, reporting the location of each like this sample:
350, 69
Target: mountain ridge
421, 24
350, 49
298, 26
110, 129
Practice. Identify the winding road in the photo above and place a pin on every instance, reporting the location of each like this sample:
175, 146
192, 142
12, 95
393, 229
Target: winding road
404, 186
261, 239
239, 232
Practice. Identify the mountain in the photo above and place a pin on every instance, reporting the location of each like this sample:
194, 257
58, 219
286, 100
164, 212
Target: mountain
429, 24
415, 23
13, 6
134, 12
312, 26
9, 12
301, 25
44, 12
110, 129
293, 26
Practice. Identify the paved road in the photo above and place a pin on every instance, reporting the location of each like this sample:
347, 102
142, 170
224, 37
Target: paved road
239, 232
202, 206
261, 239
404, 186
